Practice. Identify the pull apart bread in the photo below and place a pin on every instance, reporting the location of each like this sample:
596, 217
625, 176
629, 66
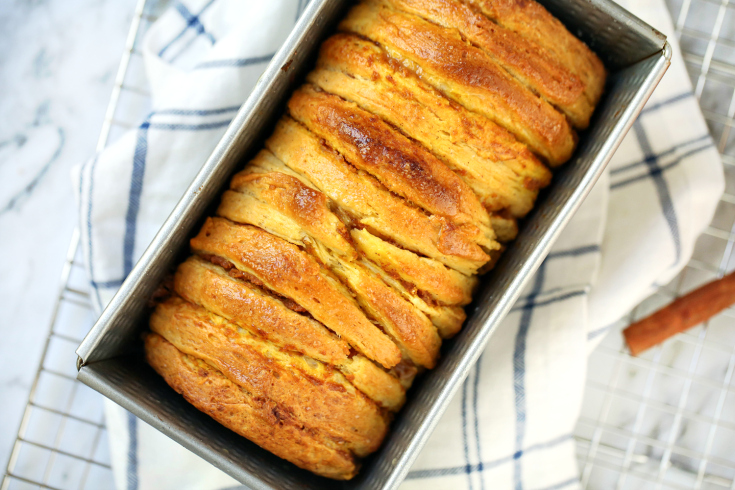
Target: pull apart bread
344, 252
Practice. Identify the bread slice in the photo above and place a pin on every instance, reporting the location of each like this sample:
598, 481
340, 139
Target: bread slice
403, 167
316, 394
210, 286
467, 75
304, 211
533, 22
502, 171
371, 206
408, 327
290, 272
260, 420
240, 302
534, 68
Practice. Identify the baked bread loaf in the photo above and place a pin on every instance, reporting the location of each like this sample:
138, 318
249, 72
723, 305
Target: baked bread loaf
345, 250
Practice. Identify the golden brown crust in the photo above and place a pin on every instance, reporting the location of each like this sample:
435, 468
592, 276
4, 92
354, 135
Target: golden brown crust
373, 207
406, 325
505, 226
467, 75
408, 328
444, 285
317, 395
411, 331
307, 207
258, 420
447, 319
500, 169
400, 165
380, 386
535, 68
207, 285
283, 268
532, 21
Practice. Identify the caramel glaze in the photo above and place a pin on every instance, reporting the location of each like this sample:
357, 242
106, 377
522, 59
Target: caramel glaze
501, 170
467, 75
402, 166
283, 268
532, 67
533, 22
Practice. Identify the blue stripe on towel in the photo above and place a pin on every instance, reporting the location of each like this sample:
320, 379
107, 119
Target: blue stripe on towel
487, 465
663, 103
235, 62
191, 20
194, 22
114, 283
136, 188
90, 193
662, 187
532, 303
664, 153
190, 127
195, 112
131, 217
662, 168
574, 252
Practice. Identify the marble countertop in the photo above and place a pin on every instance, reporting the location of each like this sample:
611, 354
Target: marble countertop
57, 69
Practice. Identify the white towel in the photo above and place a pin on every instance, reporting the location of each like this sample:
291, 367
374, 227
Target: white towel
511, 424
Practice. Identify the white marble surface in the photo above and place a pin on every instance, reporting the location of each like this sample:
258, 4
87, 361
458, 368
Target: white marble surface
58, 60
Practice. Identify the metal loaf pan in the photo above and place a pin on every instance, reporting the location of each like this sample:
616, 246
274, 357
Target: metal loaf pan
636, 56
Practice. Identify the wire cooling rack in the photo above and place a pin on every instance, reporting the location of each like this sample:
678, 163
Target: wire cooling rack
665, 419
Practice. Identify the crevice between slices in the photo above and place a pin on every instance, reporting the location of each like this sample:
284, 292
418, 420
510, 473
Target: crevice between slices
348, 365
332, 260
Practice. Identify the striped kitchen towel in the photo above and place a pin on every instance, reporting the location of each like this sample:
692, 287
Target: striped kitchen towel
511, 424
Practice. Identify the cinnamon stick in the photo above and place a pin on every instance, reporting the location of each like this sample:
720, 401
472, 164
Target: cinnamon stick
684, 313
